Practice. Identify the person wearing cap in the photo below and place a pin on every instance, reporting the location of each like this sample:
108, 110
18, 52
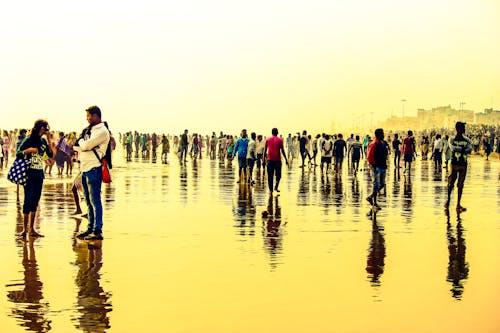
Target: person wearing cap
460, 147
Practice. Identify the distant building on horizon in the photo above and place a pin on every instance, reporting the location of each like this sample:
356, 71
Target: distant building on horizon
443, 116
489, 116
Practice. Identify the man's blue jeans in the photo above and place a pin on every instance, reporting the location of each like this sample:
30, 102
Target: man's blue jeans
378, 175
91, 183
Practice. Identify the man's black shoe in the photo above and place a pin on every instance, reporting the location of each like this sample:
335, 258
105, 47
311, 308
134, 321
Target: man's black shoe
83, 234
92, 237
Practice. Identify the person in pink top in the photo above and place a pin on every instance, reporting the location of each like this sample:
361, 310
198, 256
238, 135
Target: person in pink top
273, 148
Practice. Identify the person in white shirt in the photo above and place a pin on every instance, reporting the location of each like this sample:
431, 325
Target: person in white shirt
349, 142
437, 151
93, 144
251, 156
314, 146
446, 151
260, 146
326, 153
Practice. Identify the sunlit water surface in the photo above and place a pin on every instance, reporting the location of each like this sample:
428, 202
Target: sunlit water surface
186, 249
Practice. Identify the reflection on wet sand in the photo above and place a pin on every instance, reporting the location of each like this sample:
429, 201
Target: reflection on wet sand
183, 183
437, 173
330, 249
272, 230
244, 211
245, 207
29, 306
376, 253
355, 193
408, 198
396, 186
93, 303
303, 192
458, 268
338, 196
326, 191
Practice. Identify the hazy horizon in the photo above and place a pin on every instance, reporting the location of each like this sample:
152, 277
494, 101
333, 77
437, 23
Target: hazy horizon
155, 66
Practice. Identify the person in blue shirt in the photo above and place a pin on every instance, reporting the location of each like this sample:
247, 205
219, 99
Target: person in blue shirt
240, 150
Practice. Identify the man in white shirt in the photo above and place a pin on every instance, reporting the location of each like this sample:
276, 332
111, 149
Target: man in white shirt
326, 153
259, 148
251, 156
437, 151
349, 142
94, 140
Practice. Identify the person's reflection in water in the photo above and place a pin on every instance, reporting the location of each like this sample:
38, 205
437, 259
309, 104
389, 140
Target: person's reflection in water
407, 197
338, 191
183, 182
437, 174
195, 175
109, 195
395, 187
356, 196
93, 302
424, 171
244, 211
272, 231
303, 193
376, 253
326, 190
30, 309
458, 268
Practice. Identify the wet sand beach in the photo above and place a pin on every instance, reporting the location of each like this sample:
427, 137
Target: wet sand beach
186, 249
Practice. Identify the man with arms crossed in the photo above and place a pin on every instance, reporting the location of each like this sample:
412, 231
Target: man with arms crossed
93, 138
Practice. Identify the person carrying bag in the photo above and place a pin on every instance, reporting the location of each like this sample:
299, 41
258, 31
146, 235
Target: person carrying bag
93, 143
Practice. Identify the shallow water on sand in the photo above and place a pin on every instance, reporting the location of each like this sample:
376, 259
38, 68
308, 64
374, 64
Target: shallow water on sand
186, 249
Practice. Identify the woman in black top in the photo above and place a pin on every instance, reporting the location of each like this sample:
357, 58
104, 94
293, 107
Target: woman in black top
33, 148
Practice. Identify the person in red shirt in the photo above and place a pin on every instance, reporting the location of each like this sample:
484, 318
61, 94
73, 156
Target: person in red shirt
408, 150
377, 158
273, 148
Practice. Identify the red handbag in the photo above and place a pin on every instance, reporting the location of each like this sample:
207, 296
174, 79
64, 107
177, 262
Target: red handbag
106, 176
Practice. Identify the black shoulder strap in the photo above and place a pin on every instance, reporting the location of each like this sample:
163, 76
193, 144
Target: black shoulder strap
96, 155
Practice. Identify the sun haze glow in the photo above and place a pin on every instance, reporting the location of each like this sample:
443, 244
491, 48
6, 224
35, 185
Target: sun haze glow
223, 65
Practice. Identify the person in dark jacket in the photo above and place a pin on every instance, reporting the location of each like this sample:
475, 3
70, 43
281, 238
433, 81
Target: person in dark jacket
460, 146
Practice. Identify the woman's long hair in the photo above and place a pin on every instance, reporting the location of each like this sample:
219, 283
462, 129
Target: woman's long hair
35, 131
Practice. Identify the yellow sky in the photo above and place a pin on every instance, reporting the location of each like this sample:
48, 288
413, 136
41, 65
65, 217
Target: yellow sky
210, 65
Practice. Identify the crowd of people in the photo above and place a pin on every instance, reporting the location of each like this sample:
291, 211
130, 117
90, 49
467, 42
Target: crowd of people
443, 146
308, 148
41, 149
44, 148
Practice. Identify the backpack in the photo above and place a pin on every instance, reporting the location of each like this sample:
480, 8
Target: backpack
370, 156
107, 155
